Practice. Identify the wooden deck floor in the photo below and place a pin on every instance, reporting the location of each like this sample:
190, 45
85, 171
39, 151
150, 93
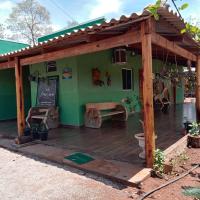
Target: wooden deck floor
115, 140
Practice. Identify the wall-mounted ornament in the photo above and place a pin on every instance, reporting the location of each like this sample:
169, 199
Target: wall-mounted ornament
67, 73
51, 66
33, 77
96, 77
108, 79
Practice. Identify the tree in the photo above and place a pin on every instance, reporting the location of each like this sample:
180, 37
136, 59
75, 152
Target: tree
28, 21
2, 31
72, 23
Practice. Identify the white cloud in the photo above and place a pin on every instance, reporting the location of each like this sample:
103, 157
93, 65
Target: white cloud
56, 27
104, 7
6, 5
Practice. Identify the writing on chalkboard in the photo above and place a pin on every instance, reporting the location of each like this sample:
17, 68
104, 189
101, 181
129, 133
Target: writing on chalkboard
47, 92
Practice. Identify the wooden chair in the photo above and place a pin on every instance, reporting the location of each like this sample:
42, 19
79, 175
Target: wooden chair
49, 116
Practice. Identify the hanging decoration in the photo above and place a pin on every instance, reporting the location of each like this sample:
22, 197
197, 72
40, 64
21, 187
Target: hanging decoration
108, 77
96, 77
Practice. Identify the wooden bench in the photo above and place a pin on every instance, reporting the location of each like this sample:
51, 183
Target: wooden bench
96, 111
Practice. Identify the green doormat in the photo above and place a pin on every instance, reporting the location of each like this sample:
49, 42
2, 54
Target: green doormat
79, 158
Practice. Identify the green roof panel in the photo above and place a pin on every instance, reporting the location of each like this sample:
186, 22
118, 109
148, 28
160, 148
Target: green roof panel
7, 46
70, 30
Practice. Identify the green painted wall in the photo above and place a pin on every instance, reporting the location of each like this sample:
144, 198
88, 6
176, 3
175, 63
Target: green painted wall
8, 93
76, 92
102, 60
67, 92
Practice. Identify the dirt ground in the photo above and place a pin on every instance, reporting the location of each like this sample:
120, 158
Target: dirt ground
174, 191
23, 177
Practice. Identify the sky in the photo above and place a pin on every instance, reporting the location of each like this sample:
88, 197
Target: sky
62, 11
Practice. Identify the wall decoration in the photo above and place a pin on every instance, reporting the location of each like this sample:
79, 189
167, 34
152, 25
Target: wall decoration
108, 77
51, 66
96, 77
67, 73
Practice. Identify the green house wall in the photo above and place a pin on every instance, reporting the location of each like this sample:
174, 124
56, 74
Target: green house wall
76, 92
8, 93
68, 99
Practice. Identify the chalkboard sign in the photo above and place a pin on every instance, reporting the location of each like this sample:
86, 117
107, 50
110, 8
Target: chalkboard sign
47, 91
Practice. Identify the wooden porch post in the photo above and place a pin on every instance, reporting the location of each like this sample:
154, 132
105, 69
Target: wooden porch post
198, 89
146, 29
19, 97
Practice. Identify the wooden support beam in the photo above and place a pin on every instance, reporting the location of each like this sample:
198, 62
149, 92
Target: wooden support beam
121, 40
19, 97
198, 89
7, 65
148, 92
172, 47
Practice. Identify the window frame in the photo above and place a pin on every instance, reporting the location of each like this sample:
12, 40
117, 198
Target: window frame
127, 69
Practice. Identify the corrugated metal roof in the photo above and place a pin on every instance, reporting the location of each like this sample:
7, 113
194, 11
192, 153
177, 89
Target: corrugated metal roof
72, 29
173, 24
7, 46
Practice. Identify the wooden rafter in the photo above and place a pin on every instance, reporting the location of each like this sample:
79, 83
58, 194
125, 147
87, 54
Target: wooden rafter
121, 40
172, 47
7, 65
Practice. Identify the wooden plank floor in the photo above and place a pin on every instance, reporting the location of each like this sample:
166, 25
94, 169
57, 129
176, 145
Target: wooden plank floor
115, 140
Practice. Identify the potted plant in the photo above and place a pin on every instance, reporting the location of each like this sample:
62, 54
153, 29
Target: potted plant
43, 132
194, 135
34, 132
187, 125
159, 162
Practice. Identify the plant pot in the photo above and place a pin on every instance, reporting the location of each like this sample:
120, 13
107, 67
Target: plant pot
193, 141
43, 135
27, 131
141, 140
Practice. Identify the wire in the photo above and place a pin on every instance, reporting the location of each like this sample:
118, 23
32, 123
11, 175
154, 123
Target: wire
177, 8
63, 10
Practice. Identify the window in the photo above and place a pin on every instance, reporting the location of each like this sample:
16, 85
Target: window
127, 79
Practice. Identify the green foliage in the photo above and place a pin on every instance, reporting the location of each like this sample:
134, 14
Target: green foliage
159, 160
153, 9
195, 129
184, 6
193, 30
192, 192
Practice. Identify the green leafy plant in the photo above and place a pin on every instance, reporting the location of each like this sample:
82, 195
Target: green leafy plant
195, 129
192, 192
193, 30
153, 9
184, 6
159, 160
190, 28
